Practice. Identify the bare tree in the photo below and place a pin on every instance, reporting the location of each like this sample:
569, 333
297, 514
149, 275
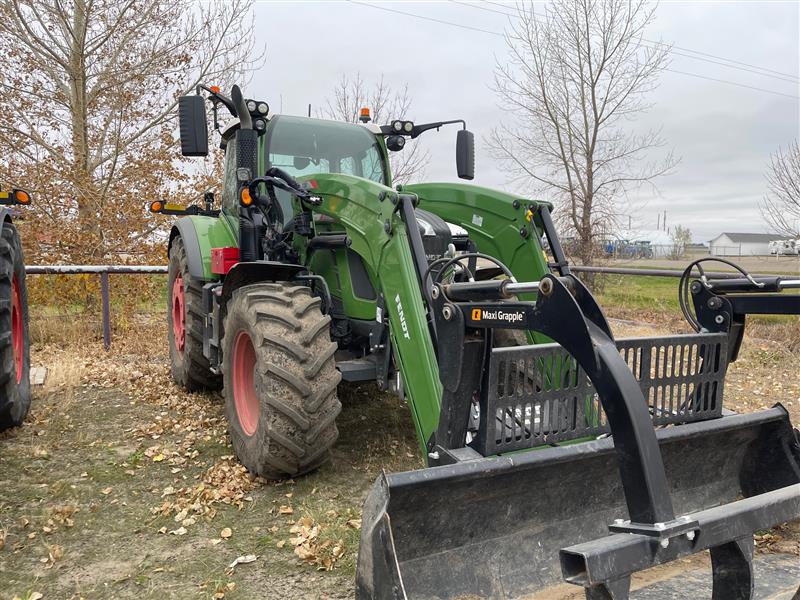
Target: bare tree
577, 75
385, 104
89, 90
681, 238
781, 205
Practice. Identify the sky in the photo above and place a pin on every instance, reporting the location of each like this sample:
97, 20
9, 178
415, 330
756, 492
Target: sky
723, 134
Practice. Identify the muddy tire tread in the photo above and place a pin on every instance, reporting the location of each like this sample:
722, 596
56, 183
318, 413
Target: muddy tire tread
295, 378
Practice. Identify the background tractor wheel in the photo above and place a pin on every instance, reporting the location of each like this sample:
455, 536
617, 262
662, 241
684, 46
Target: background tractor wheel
15, 362
280, 380
190, 369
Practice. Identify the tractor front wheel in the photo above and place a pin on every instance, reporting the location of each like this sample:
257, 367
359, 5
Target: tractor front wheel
280, 380
15, 363
190, 368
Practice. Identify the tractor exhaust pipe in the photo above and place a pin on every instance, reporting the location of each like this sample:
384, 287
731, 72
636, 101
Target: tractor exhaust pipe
245, 120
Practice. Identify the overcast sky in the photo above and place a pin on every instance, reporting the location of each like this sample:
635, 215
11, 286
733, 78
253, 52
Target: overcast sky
723, 134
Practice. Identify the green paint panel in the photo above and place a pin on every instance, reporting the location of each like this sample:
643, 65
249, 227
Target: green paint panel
212, 232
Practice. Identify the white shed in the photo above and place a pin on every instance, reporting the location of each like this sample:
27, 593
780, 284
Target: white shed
743, 244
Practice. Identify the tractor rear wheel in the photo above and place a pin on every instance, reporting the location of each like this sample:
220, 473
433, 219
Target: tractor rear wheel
280, 380
15, 363
190, 368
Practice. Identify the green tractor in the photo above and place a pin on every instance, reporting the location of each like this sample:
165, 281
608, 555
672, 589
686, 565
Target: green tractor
15, 386
553, 449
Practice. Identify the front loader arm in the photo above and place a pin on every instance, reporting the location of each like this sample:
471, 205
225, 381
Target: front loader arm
501, 225
373, 223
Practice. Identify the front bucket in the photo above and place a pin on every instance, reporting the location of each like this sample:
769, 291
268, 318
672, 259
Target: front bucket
493, 527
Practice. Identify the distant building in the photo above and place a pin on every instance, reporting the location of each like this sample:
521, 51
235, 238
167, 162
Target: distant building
743, 244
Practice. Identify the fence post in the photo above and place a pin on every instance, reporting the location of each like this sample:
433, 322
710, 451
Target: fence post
106, 310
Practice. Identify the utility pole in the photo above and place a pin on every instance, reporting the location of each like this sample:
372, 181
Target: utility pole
665, 219
658, 222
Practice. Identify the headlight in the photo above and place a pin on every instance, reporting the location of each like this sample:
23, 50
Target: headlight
395, 142
263, 108
397, 126
251, 105
260, 124
408, 126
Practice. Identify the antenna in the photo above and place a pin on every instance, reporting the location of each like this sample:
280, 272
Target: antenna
309, 109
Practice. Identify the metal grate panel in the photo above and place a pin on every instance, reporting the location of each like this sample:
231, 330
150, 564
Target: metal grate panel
538, 395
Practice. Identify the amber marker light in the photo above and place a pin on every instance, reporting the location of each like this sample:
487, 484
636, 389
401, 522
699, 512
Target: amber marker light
22, 196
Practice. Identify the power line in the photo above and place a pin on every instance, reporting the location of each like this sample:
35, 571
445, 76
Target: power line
479, 7
677, 50
744, 85
498, 34
424, 18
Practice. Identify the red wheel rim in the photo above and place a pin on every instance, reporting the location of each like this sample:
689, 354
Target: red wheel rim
244, 389
178, 314
17, 335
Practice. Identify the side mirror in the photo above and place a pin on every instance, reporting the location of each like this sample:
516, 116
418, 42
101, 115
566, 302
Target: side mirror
465, 154
193, 125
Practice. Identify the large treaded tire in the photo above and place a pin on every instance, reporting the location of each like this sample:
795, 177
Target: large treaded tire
15, 386
292, 377
190, 368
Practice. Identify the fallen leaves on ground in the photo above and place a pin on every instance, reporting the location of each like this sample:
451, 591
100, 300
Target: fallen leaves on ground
782, 539
55, 552
308, 547
225, 482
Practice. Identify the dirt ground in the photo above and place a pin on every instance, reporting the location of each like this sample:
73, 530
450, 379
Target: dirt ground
120, 485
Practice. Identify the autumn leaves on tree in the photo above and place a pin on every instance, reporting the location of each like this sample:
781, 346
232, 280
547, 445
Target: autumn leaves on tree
88, 120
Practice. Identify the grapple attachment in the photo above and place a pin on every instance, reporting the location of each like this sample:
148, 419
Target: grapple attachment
665, 472
496, 527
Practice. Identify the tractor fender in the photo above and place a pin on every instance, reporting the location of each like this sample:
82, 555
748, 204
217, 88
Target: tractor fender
5, 215
201, 234
184, 228
245, 273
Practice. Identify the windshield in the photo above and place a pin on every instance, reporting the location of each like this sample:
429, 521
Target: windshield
303, 146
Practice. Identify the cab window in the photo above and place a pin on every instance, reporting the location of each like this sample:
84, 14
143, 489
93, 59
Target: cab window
303, 146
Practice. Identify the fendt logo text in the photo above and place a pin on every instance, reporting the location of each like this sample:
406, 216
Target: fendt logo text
402, 317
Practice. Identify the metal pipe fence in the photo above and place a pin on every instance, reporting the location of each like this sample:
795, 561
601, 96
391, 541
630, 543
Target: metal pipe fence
105, 270
664, 272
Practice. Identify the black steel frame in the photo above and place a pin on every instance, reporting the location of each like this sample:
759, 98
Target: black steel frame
567, 312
